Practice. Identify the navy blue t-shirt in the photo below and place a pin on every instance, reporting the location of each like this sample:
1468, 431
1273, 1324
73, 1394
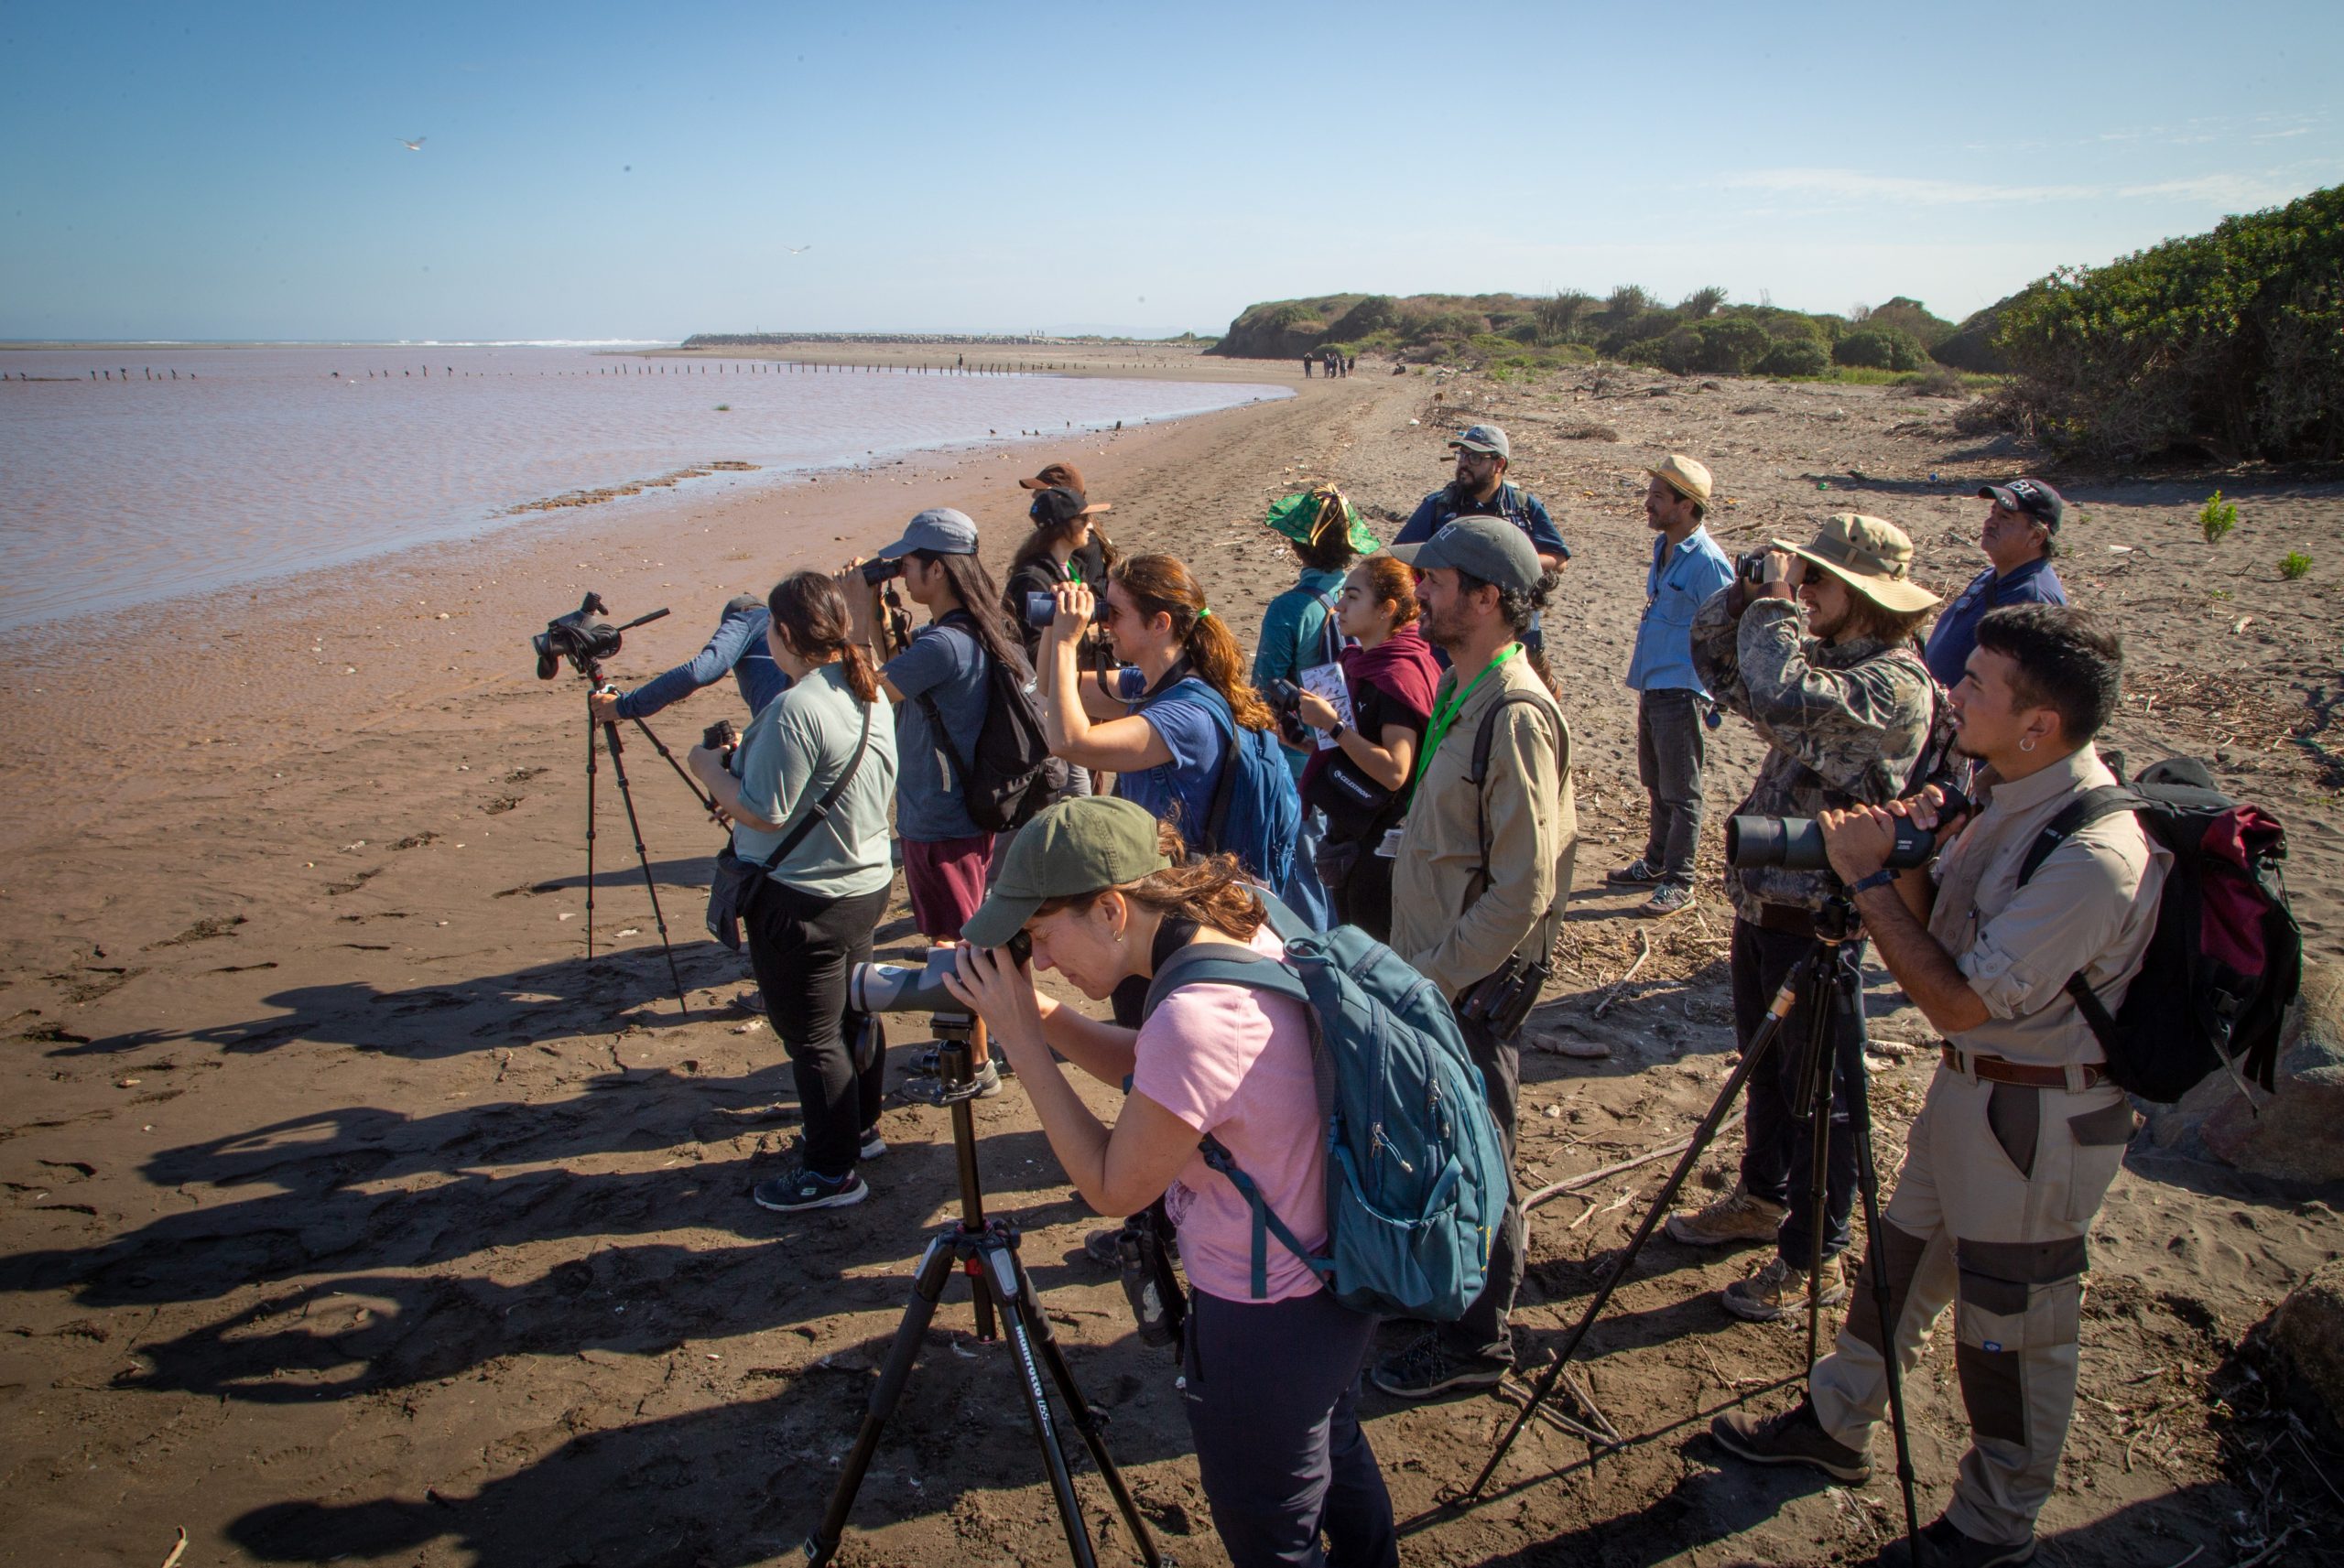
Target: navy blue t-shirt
1956, 634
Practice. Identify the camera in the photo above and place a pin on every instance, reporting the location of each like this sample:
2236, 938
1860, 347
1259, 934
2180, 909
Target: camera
908, 988
1284, 699
876, 572
1796, 843
721, 736
583, 637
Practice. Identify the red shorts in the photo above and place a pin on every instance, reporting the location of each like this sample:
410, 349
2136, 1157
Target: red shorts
946, 880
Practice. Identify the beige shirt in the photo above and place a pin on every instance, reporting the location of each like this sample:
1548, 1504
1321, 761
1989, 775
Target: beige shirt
2090, 906
1451, 919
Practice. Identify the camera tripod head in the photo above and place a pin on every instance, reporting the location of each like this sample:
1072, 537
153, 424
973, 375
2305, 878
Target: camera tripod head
584, 638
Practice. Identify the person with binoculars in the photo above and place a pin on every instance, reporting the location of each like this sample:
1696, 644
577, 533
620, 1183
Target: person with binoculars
940, 689
2022, 1130
813, 776
1107, 895
1815, 647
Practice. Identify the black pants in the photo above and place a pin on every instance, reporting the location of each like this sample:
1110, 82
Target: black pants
1272, 1391
1778, 1149
802, 947
1670, 749
1366, 898
1483, 1330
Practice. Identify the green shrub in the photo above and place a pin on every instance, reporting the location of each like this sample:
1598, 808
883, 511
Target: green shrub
1880, 348
1911, 317
2230, 343
2217, 517
2294, 564
1729, 346
1792, 356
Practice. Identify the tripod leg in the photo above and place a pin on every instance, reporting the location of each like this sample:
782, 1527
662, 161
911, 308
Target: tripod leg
1755, 1052
1002, 1266
1094, 1437
972, 1209
691, 783
591, 767
928, 1286
643, 858
1821, 1060
1868, 1185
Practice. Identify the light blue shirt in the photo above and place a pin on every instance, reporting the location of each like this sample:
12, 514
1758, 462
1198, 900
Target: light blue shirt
1676, 585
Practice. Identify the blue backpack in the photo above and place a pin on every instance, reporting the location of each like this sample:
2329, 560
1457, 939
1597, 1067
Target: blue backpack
1256, 812
1416, 1178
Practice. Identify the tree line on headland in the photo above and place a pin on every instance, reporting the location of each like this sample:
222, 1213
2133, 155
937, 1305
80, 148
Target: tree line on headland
2229, 343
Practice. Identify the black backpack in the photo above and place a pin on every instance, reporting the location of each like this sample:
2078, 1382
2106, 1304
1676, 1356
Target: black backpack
1012, 774
2227, 957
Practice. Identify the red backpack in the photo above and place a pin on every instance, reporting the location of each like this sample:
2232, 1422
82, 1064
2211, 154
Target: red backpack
2227, 956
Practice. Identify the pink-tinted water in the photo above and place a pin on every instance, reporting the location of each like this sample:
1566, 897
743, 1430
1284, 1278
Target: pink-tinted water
256, 463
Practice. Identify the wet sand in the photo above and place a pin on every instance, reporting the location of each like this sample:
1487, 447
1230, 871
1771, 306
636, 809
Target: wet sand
351, 1214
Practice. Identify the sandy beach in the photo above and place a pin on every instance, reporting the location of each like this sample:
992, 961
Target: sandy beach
353, 1215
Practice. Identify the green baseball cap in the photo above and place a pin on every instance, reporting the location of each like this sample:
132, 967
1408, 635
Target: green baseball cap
1077, 846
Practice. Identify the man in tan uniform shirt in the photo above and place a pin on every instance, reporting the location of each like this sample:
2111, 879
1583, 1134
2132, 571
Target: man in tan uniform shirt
2022, 1132
1482, 865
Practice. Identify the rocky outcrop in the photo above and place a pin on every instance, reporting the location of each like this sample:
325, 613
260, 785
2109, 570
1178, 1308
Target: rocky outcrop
2294, 1134
2308, 1330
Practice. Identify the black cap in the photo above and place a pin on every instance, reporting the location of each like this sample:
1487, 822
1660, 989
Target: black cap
2032, 496
1058, 505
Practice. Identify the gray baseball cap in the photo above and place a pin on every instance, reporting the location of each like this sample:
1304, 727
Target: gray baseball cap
940, 530
1483, 438
1490, 548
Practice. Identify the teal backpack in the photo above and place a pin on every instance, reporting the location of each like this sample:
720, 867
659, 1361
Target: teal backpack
1416, 1178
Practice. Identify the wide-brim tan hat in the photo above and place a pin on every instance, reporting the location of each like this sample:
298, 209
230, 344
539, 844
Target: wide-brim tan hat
1871, 555
1683, 475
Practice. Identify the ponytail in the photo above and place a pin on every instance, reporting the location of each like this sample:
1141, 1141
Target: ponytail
1160, 585
812, 614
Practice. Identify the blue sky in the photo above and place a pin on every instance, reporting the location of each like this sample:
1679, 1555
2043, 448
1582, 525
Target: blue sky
233, 171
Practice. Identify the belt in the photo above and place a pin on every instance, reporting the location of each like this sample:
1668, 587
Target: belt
1994, 1070
1788, 918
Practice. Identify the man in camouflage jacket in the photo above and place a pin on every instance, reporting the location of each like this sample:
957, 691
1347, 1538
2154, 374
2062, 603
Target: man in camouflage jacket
1819, 656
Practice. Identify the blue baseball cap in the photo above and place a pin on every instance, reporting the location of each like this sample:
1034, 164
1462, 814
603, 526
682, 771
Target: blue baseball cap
939, 530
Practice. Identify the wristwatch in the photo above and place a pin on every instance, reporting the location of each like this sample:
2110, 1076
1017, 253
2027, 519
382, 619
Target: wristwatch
1879, 878
1337, 732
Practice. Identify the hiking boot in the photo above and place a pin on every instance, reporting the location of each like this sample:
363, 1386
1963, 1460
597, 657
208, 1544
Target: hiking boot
1737, 1216
1795, 1438
1636, 873
1780, 1286
803, 1189
1425, 1369
1943, 1546
1665, 901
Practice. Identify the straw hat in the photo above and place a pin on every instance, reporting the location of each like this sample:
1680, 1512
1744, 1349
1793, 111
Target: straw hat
1685, 477
1871, 555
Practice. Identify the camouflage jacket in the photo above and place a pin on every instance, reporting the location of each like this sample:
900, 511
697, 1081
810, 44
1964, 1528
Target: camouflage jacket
1842, 723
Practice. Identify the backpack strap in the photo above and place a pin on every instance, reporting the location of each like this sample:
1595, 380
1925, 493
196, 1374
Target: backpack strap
1484, 739
936, 715
2092, 806
1227, 964
1224, 783
1331, 636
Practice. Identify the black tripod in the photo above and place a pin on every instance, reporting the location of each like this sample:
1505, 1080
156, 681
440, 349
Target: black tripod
1829, 978
986, 1250
592, 670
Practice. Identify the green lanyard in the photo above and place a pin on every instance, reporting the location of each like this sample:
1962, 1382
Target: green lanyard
1446, 713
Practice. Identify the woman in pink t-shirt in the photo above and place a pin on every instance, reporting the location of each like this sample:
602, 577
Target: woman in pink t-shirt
1105, 895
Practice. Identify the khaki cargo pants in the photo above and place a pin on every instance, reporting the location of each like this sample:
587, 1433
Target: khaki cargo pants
1998, 1188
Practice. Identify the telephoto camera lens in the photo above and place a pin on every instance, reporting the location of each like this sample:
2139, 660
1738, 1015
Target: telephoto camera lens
1796, 843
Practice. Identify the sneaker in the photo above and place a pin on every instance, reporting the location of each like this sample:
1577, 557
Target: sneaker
1795, 1438
1636, 873
1104, 1247
1425, 1369
802, 1189
1780, 1286
988, 1080
1943, 1546
1737, 1216
1666, 900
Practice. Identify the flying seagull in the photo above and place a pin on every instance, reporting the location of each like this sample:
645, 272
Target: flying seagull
793, 250
416, 145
